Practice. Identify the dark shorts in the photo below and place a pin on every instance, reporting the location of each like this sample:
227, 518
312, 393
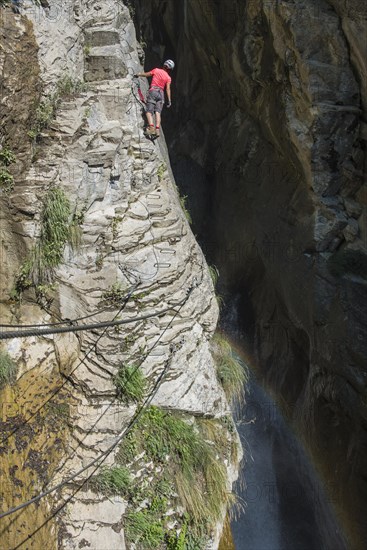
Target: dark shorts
155, 100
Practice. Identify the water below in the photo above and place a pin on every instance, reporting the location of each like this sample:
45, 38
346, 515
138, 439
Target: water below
284, 504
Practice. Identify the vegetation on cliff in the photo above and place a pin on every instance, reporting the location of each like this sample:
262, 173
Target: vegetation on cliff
178, 487
57, 227
8, 369
7, 158
130, 383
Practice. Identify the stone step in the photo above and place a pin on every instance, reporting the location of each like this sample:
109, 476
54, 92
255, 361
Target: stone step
98, 37
102, 156
105, 63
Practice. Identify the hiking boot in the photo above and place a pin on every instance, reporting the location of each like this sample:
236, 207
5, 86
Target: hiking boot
150, 131
157, 131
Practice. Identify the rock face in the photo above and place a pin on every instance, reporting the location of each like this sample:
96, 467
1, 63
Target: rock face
135, 244
269, 143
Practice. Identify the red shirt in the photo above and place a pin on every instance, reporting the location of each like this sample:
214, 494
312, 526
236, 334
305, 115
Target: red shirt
160, 78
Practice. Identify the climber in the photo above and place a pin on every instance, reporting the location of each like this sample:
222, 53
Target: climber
155, 97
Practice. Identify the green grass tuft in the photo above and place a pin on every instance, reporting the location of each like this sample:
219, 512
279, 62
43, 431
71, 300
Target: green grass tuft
145, 529
231, 371
8, 369
48, 252
55, 229
166, 434
6, 180
200, 476
161, 170
69, 87
45, 112
113, 481
183, 200
176, 541
214, 274
128, 451
130, 384
87, 49
114, 295
189, 460
7, 156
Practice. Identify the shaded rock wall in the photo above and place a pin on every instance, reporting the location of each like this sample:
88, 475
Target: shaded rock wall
134, 237
19, 92
268, 139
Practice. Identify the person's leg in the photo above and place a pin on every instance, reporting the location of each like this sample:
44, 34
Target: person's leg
157, 122
150, 130
158, 111
150, 119
149, 112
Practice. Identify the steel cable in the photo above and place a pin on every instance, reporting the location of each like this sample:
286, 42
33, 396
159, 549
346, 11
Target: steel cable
108, 451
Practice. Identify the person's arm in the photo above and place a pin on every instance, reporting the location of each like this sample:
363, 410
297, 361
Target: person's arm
144, 74
168, 90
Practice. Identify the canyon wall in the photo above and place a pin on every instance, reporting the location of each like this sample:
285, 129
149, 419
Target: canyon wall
71, 118
268, 140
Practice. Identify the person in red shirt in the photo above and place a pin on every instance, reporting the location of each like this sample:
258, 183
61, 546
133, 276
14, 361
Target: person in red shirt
155, 97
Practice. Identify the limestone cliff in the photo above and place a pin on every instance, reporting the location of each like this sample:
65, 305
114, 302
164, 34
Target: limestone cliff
92, 232
269, 144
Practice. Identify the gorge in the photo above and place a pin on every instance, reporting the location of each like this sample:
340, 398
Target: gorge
266, 139
268, 143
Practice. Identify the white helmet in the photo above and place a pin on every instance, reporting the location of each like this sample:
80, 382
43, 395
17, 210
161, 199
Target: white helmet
169, 64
